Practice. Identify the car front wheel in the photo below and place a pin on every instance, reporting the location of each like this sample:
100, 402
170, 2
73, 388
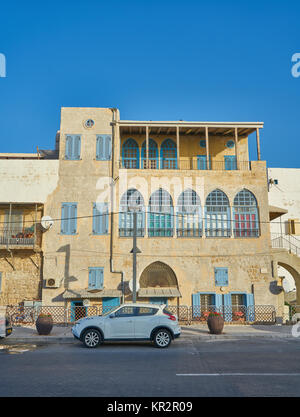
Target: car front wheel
92, 338
162, 338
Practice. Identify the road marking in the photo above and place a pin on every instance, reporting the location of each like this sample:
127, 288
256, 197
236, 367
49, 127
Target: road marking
243, 374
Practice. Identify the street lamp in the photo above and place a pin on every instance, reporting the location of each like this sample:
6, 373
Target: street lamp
134, 209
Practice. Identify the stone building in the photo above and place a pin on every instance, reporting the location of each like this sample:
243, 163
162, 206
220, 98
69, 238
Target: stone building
201, 207
203, 232
25, 182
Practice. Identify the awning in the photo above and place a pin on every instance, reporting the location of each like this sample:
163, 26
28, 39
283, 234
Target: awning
69, 294
159, 292
275, 212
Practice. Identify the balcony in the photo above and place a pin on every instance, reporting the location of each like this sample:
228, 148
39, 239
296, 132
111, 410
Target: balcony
20, 226
191, 163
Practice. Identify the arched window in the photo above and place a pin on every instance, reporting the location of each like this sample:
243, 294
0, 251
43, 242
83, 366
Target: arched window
189, 219
168, 154
152, 155
245, 213
131, 201
130, 154
217, 215
160, 219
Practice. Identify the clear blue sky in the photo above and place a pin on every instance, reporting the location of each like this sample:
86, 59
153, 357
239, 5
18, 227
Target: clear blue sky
156, 60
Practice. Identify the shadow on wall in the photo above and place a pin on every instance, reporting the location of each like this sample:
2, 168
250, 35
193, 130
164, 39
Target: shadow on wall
67, 278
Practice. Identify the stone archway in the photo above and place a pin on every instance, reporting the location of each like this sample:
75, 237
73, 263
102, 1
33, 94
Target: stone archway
158, 274
158, 280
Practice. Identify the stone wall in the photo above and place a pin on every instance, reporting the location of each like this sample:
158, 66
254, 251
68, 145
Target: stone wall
21, 277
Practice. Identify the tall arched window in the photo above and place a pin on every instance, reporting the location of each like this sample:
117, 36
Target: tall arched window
245, 213
160, 219
189, 219
131, 201
217, 215
152, 155
130, 154
168, 154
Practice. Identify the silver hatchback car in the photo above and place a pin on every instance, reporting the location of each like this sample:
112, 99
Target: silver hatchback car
134, 321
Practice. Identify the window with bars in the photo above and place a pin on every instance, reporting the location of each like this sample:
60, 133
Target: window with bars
189, 219
152, 155
160, 220
217, 215
245, 214
168, 154
131, 201
130, 154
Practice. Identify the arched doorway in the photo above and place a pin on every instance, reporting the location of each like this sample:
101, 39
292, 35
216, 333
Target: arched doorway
158, 283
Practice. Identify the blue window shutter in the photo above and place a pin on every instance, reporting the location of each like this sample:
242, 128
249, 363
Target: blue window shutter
100, 148
76, 147
249, 300
68, 218
103, 148
96, 278
218, 301
99, 278
107, 149
196, 305
73, 147
100, 218
92, 278
64, 219
221, 277
73, 218
69, 146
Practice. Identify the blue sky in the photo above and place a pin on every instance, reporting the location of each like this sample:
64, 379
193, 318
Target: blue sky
155, 60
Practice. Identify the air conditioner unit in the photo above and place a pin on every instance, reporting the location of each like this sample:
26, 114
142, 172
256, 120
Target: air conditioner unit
52, 283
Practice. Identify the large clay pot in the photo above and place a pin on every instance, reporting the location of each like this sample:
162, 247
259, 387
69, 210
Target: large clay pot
215, 324
44, 325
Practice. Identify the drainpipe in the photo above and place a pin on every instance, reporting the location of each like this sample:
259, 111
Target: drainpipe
114, 111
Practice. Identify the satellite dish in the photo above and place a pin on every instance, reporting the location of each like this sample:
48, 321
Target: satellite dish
288, 286
47, 222
131, 285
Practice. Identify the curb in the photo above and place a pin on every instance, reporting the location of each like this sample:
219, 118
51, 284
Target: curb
69, 340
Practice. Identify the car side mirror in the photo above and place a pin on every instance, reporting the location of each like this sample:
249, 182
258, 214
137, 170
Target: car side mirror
112, 316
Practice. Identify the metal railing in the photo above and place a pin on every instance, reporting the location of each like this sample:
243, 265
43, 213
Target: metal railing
188, 163
288, 242
242, 314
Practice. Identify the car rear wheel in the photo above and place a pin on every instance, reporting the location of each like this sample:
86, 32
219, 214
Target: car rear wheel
92, 338
162, 338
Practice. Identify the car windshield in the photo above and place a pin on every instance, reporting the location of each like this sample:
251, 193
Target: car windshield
110, 311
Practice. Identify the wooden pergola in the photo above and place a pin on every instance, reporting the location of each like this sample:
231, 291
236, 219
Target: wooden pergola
184, 128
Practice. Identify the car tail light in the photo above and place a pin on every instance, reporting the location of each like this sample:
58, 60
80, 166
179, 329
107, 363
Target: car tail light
170, 316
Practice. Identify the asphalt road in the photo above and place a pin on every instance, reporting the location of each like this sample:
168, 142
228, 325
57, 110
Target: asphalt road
188, 368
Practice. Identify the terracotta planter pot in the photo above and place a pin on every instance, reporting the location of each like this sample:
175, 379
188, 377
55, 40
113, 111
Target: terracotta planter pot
215, 324
44, 325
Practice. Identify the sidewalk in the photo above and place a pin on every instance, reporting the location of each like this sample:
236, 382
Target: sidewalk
62, 334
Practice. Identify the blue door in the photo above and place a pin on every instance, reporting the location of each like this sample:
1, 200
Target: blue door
159, 300
78, 311
109, 304
202, 162
230, 163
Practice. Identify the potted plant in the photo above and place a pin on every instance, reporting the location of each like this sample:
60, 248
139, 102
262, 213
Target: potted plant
44, 324
215, 323
238, 316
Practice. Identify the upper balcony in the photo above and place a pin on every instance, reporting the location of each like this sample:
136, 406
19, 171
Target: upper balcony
20, 226
186, 145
